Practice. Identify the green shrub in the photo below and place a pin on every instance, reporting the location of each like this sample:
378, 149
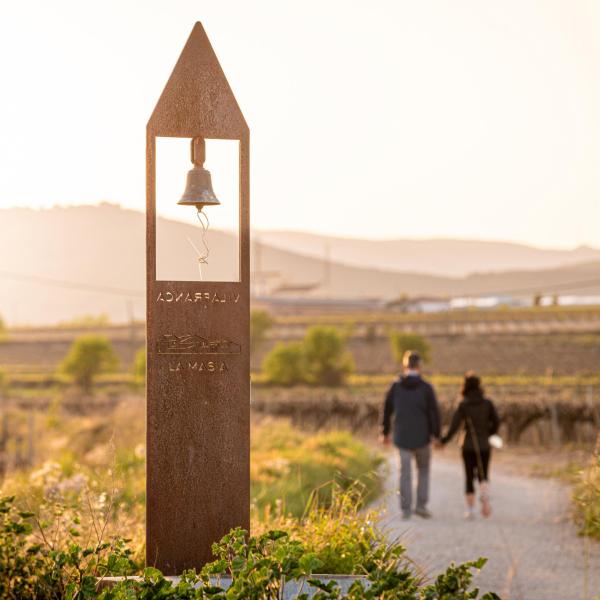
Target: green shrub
284, 365
3, 332
326, 360
402, 342
88, 357
319, 359
260, 323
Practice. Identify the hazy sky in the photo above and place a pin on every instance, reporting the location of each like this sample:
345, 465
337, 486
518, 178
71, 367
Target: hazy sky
386, 118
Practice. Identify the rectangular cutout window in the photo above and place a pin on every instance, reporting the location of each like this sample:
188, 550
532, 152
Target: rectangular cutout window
184, 252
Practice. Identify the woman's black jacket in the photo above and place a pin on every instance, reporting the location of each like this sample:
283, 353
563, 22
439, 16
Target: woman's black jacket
479, 417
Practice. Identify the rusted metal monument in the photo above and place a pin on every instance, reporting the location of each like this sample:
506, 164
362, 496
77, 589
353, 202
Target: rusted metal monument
198, 382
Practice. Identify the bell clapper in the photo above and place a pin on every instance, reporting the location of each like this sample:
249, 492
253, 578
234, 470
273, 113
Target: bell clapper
202, 256
205, 224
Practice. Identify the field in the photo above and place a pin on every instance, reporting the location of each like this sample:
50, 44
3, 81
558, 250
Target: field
535, 413
546, 387
468, 322
540, 365
488, 354
312, 446
517, 341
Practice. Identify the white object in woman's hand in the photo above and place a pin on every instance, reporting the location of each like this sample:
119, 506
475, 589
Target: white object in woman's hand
496, 441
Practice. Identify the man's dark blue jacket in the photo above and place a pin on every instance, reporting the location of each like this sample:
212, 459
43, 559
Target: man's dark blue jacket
417, 417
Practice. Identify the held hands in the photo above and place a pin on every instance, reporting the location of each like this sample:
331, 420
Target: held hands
385, 440
437, 444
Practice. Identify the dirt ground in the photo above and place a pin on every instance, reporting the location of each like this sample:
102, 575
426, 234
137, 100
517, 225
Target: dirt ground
533, 548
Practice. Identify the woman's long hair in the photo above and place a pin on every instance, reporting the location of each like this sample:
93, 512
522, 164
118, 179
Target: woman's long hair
471, 385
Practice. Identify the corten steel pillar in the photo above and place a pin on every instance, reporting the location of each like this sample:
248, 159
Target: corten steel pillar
198, 417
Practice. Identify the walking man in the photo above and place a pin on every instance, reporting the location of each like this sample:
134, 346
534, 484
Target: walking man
412, 402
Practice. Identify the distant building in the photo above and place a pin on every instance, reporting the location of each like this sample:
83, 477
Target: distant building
483, 302
423, 304
571, 300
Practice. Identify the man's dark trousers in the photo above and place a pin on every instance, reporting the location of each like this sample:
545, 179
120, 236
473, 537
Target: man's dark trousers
423, 459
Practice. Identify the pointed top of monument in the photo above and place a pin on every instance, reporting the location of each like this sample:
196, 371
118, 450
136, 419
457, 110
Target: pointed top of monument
197, 100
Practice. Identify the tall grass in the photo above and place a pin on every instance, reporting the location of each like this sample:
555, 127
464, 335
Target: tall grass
287, 465
95, 466
345, 537
587, 497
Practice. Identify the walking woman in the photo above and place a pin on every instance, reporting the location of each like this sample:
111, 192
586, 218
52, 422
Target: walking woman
479, 418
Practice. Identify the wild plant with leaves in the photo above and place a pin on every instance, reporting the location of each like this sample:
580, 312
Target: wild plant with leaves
47, 560
258, 568
41, 563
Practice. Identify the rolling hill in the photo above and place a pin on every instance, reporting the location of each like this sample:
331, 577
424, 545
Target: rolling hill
445, 257
62, 263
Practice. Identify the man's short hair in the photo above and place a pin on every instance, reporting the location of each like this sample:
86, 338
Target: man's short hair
411, 360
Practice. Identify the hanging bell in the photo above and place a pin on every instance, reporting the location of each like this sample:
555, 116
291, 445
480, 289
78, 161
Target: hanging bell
198, 190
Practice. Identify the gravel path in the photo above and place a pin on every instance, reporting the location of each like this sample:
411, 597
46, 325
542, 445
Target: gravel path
533, 550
